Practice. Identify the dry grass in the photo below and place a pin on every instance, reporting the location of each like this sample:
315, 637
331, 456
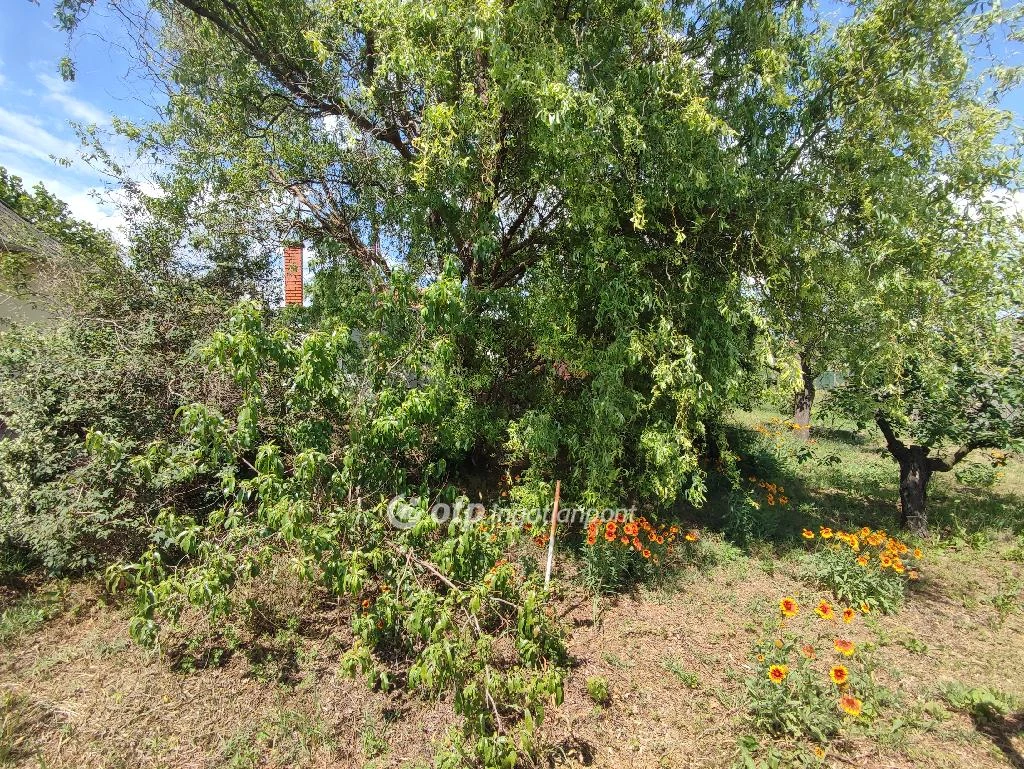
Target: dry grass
75, 692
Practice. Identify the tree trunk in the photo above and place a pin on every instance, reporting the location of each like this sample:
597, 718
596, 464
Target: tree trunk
802, 403
915, 471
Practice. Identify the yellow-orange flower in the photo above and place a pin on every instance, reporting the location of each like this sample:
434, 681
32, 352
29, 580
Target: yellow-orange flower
865, 607
885, 559
839, 674
917, 553
824, 610
819, 752
850, 705
848, 615
808, 534
826, 532
912, 574
646, 553
863, 560
789, 607
692, 536
777, 673
844, 647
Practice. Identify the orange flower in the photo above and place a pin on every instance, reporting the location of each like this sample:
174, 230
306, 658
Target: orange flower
850, 705
366, 603
808, 651
819, 752
591, 539
917, 553
848, 615
789, 607
609, 535
863, 560
826, 532
624, 540
824, 610
777, 673
808, 534
646, 553
839, 674
865, 531
631, 529
844, 647
692, 536
885, 559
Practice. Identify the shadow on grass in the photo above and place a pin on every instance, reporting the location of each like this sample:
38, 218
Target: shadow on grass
1002, 732
846, 482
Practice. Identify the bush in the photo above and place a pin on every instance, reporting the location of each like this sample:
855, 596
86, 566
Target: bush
865, 569
436, 607
59, 509
809, 683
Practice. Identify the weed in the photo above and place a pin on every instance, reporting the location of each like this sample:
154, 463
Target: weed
914, 645
982, 703
32, 611
689, 679
597, 688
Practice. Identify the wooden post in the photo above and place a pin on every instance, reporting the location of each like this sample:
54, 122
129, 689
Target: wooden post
551, 535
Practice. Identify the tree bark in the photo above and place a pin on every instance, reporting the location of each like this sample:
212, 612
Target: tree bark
915, 472
916, 469
803, 401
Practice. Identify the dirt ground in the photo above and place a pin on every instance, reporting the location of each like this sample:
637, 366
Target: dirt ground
76, 692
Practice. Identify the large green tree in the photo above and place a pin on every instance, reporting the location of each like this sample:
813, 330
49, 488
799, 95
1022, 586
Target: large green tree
607, 182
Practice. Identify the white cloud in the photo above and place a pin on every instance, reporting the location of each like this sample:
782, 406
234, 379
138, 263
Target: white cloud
26, 135
59, 92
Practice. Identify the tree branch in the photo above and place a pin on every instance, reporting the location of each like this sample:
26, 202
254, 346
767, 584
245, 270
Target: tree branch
896, 447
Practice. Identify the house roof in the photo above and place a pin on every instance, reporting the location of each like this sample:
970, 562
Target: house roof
18, 236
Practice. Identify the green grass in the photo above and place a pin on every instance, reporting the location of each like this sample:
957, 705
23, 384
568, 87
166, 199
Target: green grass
848, 479
30, 611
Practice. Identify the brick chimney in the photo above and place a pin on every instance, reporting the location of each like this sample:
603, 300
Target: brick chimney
293, 275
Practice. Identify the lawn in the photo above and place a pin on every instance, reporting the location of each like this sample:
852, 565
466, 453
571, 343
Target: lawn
674, 656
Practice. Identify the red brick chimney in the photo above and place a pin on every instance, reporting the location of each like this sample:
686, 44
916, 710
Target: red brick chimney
293, 274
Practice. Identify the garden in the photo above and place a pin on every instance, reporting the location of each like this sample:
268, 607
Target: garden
737, 288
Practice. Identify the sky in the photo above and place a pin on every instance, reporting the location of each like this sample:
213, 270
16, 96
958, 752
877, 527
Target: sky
37, 108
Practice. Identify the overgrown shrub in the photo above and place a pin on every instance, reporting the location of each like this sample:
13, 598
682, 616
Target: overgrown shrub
327, 421
125, 377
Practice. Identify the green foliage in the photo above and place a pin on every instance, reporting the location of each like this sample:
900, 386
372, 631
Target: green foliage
122, 378
30, 611
851, 583
597, 688
982, 703
435, 606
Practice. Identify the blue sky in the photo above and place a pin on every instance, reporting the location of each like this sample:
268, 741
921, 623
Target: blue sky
37, 108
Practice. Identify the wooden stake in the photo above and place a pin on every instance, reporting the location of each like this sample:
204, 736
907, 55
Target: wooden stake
551, 535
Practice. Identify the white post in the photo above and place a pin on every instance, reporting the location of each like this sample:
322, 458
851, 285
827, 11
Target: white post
551, 535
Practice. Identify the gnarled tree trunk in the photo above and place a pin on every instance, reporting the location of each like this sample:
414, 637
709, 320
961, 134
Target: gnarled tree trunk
916, 469
915, 472
803, 401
